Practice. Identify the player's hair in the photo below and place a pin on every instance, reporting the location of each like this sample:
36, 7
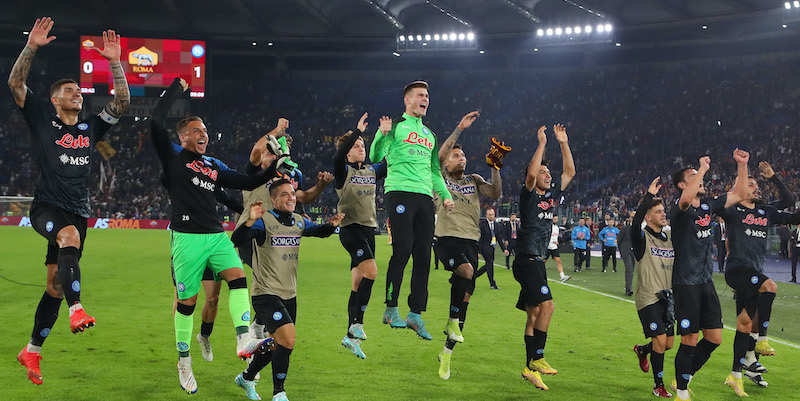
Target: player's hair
654, 202
273, 189
415, 84
582, 218
56, 86
289, 140
342, 139
678, 176
183, 124
545, 163
458, 146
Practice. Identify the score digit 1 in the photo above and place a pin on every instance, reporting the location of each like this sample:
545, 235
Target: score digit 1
197, 71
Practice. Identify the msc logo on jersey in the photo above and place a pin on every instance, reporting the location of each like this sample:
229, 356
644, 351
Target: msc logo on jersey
285, 240
74, 161
142, 60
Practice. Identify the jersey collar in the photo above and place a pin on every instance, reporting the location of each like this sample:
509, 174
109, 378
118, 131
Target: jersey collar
410, 117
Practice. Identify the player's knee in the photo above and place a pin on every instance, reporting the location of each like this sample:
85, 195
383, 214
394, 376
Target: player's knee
212, 301
547, 307
68, 236
368, 269
466, 271
769, 286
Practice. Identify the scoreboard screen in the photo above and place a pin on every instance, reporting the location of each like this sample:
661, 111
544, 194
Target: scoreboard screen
148, 63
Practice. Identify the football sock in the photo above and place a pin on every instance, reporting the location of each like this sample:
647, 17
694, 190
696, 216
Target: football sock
701, 354
45, 318
683, 365
206, 328
239, 304
183, 328
70, 274
740, 341
260, 360
351, 308
765, 300
657, 363
280, 366
539, 340
364, 293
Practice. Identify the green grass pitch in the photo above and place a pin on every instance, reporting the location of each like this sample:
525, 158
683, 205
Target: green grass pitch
130, 354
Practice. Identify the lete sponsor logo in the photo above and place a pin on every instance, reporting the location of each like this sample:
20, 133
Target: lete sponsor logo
755, 221
414, 138
703, 221
70, 142
198, 166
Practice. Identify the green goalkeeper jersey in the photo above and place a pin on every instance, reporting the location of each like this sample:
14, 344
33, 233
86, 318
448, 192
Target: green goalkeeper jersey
411, 156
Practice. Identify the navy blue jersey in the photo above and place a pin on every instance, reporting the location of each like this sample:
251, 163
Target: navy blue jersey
693, 240
537, 213
747, 233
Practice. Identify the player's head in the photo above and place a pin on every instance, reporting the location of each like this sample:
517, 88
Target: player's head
66, 95
281, 192
415, 97
543, 177
683, 177
490, 214
611, 222
753, 191
582, 222
193, 134
513, 217
358, 153
656, 215
555, 219
456, 162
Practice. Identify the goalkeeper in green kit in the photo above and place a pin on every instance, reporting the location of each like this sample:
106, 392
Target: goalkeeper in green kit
410, 150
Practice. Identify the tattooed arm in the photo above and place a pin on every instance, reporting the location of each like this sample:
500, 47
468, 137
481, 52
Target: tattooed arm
111, 51
19, 73
448, 144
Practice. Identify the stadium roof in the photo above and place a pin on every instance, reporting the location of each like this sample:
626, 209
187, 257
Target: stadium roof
330, 27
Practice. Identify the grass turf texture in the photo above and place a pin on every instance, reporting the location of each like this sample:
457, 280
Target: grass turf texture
130, 354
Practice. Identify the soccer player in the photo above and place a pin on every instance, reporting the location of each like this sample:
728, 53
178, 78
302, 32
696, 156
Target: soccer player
552, 250
355, 184
489, 230
747, 226
696, 302
510, 237
413, 175
652, 248
458, 234
608, 235
580, 243
277, 234
538, 201
198, 240
63, 145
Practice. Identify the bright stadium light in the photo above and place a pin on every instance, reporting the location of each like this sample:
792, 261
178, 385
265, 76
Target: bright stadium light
453, 36
601, 28
558, 31
705, 26
608, 27
536, 49
618, 44
587, 29
270, 43
402, 38
788, 5
461, 36
796, 4
470, 36
784, 26
540, 32
410, 38
568, 31
396, 54
577, 29
436, 37
549, 31
481, 52
419, 37
254, 43
427, 37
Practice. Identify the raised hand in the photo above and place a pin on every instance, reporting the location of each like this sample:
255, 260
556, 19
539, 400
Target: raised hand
766, 170
336, 219
38, 34
467, 120
111, 46
325, 177
541, 135
256, 211
386, 125
362, 123
654, 186
184, 84
741, 156
705, 162
283, 125
561, 133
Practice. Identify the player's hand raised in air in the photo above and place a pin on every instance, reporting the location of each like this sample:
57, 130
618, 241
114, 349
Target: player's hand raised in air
111, 46
283, 125
256, 212
741, 156
541, 135
336, 219
184, 84
325, 177
362, 123
766, 170
386, 125
467, 120
705, 163
38, 34
654, 186
561, 133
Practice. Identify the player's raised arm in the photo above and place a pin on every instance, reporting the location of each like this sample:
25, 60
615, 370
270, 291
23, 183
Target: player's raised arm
378, 149
786, 197
19, 73
261, 145
451, 140
158, 128
739, 192
307, 196
492, 190
536, 160
568, 172
111, 51
692, 187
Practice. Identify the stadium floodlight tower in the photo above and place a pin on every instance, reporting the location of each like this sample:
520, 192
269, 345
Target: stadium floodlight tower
436, 41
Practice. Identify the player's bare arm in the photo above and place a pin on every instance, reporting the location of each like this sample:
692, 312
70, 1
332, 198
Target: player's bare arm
310, 195
739, 192
568, 172
536, 160
492, 190
111, 51
37, 37
689, 193
451, 140
261, 145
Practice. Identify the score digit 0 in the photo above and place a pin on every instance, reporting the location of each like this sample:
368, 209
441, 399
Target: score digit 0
88, 67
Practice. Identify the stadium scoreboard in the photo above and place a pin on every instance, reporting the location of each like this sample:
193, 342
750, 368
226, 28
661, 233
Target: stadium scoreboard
148, 63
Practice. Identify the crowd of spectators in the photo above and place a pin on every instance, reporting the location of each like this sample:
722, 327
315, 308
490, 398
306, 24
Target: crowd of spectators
627, 124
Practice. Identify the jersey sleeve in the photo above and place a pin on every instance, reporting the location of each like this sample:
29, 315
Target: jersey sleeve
716, 203
35, 114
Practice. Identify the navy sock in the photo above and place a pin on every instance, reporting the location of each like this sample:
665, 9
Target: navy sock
280, 367
457, 291
657, 364
46, 315
351, 309
364, 293
539, 340
765, 300
740, 341
647, 348
701, 354
206, 329
683, 365
530, 349
259, 362
69, 272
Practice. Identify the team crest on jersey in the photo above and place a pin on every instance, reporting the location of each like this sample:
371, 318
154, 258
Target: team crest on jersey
685, 323
653, 326
704, 206
49, 226
451, 262
83, 126
360, 253
426, 131
761, 212
246, 316
277, 316
754, 279
285, 240
400, 209
545, 290
181, 287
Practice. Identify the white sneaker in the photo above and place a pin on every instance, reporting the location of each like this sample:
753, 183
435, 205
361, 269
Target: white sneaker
186, 376
257, 330
565, 278
205, 347
246, 345
280, 397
